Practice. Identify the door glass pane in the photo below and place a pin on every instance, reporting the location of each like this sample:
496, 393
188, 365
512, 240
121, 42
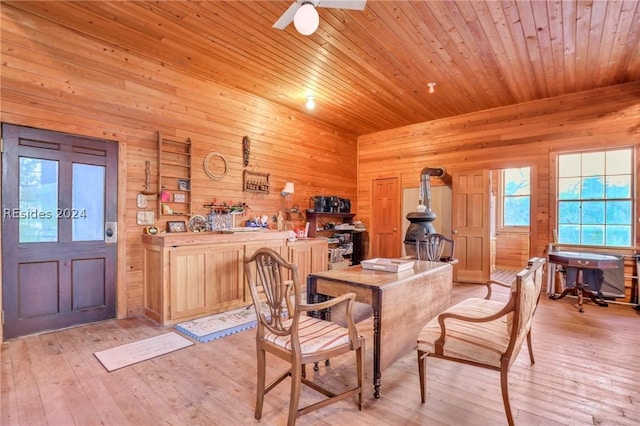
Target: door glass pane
38, 201
87, 212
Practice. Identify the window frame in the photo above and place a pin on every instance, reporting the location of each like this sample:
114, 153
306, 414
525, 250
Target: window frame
555, 202
500, 203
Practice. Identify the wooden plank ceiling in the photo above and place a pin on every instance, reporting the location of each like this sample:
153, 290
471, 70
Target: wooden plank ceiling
368, 70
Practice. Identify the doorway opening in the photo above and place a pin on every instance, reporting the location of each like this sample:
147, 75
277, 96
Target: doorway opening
510, 218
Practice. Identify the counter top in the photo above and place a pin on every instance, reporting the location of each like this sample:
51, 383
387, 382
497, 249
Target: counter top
175, 239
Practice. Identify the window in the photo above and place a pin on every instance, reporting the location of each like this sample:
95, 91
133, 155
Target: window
594, 198
516, 197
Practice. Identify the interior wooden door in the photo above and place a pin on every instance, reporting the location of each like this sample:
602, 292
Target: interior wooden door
470, 224
385, 219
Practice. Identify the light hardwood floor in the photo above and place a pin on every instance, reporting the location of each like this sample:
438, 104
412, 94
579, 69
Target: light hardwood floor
587, 372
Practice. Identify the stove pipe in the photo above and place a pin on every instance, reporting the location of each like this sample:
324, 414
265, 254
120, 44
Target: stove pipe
421, 220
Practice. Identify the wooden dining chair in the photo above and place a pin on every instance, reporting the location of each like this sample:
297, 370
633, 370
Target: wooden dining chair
436, 248
484, 332
286, 330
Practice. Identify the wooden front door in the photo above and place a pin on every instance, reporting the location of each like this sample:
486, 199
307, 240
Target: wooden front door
59, 233
470, 225
385, 218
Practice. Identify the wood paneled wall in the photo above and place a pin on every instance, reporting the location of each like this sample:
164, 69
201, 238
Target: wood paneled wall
528, 134
56, 79
62, 80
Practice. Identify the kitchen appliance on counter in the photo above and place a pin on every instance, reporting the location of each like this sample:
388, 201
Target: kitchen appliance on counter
319, 204
329, 204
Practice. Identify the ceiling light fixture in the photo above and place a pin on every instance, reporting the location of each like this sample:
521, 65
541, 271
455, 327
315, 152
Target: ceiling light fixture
431, 86
306, 19
311, 104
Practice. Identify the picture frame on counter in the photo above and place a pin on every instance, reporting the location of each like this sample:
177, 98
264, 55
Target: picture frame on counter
176, 226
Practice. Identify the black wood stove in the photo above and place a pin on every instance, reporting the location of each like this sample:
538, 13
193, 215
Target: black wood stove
422, 220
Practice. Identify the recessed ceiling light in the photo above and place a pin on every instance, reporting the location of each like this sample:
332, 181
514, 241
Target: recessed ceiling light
431, 86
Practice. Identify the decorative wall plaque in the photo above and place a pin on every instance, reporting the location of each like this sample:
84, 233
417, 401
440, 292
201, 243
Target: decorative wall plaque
246, 150
215, 165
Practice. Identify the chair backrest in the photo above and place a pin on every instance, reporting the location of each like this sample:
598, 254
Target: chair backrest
436, 248
525, 295
268, 274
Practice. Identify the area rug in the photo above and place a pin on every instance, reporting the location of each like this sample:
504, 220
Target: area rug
219, 325
141, 350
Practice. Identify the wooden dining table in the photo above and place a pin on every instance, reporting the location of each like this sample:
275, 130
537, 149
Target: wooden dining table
403, 302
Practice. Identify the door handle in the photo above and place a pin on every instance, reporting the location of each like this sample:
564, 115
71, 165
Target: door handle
454, 232
111, 232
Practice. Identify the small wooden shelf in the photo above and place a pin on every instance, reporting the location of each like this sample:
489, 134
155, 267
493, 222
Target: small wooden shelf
174, 175
255, 182
355, 239
314, 216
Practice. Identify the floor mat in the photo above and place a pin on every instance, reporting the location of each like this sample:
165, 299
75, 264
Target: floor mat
142, 350
219, 325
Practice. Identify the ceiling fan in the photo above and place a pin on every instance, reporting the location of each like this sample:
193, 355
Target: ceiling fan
305, 17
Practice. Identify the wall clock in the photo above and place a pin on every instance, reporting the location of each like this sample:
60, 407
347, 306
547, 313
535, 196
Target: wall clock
215, 165
151, 230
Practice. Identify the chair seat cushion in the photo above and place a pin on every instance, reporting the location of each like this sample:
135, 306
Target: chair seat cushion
315, 335
477, 342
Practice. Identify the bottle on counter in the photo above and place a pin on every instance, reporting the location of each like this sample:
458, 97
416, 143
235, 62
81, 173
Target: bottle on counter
280, 221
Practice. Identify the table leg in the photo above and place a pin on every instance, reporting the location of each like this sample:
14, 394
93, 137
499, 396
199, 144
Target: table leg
551, 279
579, 289
580, 298
377, 373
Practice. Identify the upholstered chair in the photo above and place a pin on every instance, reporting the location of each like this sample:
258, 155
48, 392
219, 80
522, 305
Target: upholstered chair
483, 332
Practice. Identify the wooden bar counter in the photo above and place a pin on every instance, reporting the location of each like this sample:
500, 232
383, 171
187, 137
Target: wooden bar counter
191, 275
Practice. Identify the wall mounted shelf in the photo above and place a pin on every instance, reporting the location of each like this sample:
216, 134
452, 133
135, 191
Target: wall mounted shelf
255, 182
174, 176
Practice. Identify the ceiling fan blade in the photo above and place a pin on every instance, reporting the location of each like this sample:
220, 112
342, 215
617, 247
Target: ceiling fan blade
287, 16
343, 4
